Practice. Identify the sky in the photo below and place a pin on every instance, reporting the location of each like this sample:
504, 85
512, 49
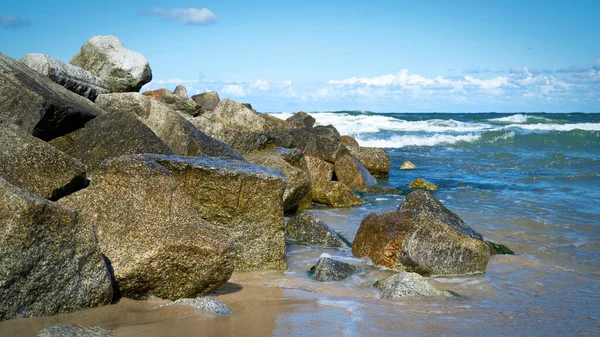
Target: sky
384, 56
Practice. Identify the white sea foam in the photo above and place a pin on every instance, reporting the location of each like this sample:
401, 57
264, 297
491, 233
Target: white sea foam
413, 140
557, 127
519, 118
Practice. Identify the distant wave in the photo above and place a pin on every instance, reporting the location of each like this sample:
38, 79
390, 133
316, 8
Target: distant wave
557, 127
413, 140
522, 119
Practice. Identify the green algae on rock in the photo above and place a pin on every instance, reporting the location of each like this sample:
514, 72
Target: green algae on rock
421, 184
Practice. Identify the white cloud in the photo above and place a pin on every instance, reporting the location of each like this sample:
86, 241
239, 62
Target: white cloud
234, 90
186, 16
262, 85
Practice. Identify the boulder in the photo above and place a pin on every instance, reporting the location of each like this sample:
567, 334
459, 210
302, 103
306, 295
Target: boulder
375, 159
379, 189
111, 135
176, 131
123, 69
408, 165
421, 184
421, 236
349, 141
152, 237
50, 262
293, 157
207, 304
409, 285
243, 199
297, 192
301, 120
334, 193
207, 100
180, 91
183, 105
351, 172
317, 169
305, 228
327, 270
322, 142
38, 105
32, 164
67, 330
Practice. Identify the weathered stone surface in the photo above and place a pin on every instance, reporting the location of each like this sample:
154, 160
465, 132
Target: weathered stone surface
378, 189
50, 262
207, 303
421, 184
408, 165
349, 141
292, 156
180, 91
334, 193
38, 105
152, 236
327, 270
301, 120
298, 183
409, 285
375, 159
322, 142
111, 135
123, 69
32, 164
305, 228
351, 172
244, 200
317, 169
421, 237
65, 330
207, 100
177, 132
183, 105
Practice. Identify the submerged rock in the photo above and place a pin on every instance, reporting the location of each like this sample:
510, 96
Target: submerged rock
305, 228
123, 69
67, 330
334, 193
50, 261
409, 285
207, 303
378, 189
327, 270
421, 236
301, 120
421, 184
375, 159
498, 249
408, 165
317, 169
351, 172
182, 105
207, 100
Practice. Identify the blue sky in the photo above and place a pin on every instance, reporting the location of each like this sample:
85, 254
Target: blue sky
398, 55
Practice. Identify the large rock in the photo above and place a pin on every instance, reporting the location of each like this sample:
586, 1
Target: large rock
123, 69
322, 142
38, 105
183, 105
176, 131
243, 199
111, 135
301, 120
327, 270
50, 262
65, 330
317, 169
351, 172
32, 164
349, 141
421, 236
409, 285
75, 79
375, 159
152, 236
305, 228
207, 100
334, 193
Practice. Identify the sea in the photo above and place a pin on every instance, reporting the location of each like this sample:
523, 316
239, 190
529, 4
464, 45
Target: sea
530, 181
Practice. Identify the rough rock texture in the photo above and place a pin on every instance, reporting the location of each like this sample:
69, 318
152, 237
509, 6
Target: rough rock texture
50, 262
305, 228
207, 100
301, 120
75, 79
244, 200
409, 285
153, 239
322, 142
64, 330
207, 303
180, 91
423, 237
421, 184
349, 141
334, 193
292, 156
113, 134
32, 164
298, 183
38, 105
177, 132
317, 169
183, 105
123, 69
351, 172
327, 270
378, 189
408, 165
375, 159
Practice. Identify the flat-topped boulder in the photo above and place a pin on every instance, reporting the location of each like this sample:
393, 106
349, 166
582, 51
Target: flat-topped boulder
322, 142
307, 229
375, 159
334, 193
351, 172
301, 120
207, 100
37, 104
50, 262
122, 69
149, 231
183, 105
